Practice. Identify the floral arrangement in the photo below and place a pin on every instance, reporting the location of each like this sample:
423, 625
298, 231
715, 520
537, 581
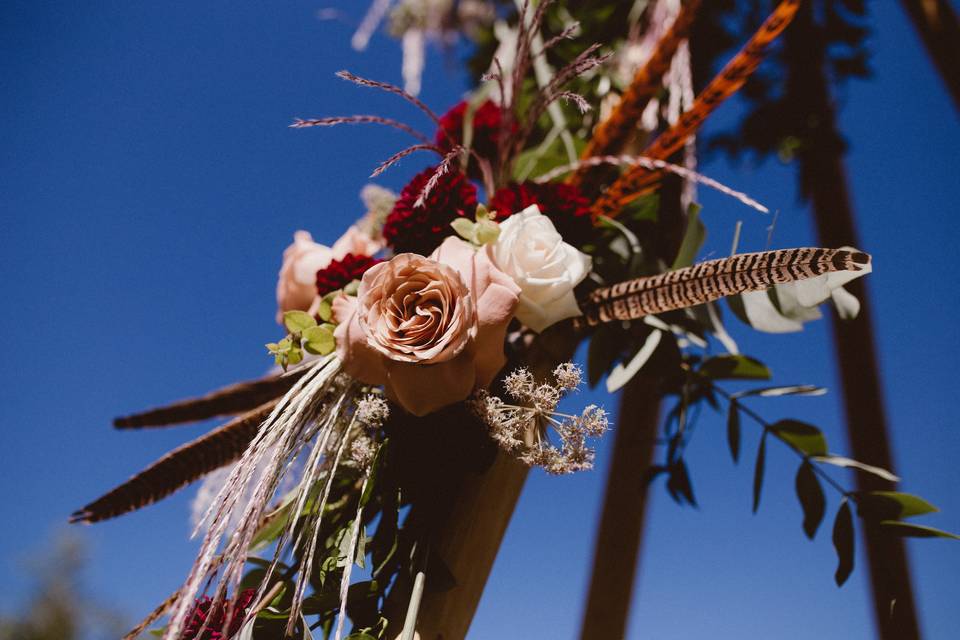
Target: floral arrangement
437, 335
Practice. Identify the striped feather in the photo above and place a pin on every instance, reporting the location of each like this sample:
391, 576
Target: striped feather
712, 280
178, 468
227, 401
639, 180
612, 134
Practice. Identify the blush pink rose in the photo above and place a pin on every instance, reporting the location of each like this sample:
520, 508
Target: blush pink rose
297, 282
357, 242
430, 330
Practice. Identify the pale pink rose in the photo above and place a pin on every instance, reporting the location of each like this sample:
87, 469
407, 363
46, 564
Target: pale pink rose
297, 283
429, 329
356, 242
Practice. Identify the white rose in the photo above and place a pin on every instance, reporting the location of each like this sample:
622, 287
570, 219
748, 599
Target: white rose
546, 268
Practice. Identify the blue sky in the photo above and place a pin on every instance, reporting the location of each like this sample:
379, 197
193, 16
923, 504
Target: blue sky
149, 183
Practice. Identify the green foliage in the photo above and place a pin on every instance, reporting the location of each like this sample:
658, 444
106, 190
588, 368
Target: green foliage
892, 505
734, 367
733, 430
843, 542
806, 438
908, 529
758, 470
811, 497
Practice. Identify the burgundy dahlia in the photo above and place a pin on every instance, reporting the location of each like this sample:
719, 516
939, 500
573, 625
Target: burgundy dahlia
564, 204
486, 132
340, 273
422, 229
214, 617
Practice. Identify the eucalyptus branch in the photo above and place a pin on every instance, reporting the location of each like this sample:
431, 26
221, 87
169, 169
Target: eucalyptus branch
768, 428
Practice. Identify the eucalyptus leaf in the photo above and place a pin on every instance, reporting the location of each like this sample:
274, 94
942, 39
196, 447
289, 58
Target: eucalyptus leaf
693, 239
622, 374
319, 340
734, 367
911, 530
464, 228
325, 310
892, 505
840, 461
811, 497
843, 542
758, 470
678, 483
793, 390
804, 437
296, 321
733, 430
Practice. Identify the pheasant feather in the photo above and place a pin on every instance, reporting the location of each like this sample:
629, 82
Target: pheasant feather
638, 181
227, 401
178, 468
712, 280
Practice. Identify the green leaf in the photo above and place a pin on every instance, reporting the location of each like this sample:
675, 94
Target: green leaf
294, 356
486, 232
464, 228
693, 239
843, 543
840, 461
319, 340
622, 374
892, 505
911, 530
810, 494
351, 288
733, 430
678, 483
296, 321
794, 390
734, 367
325, 310
804, 437
758, 470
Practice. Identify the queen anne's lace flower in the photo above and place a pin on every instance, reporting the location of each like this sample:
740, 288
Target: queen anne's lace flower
523, 429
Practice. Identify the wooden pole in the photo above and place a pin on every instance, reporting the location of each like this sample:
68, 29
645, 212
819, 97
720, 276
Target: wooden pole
938, 27
823, 180
617, 547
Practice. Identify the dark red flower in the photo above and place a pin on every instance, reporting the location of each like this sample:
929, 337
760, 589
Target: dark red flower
564, 204
214, 617
422, 229
486, 132
340, 273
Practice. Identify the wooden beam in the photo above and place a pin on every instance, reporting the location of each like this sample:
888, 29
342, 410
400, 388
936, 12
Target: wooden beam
617, 547
939, 29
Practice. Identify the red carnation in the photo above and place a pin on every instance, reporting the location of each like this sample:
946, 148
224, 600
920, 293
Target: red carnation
422, 229
340, 273
564, 204
214, 617
486, 132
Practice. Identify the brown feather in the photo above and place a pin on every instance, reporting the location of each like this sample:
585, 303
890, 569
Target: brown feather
712, 280
178, 468
611, 135
639, 180
227, 401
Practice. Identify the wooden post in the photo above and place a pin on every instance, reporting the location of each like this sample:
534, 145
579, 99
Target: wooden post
823, 180
617, 547
938, 26
467, 543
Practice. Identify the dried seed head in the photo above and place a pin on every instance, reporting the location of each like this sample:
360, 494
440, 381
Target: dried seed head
372, 411
568, 375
